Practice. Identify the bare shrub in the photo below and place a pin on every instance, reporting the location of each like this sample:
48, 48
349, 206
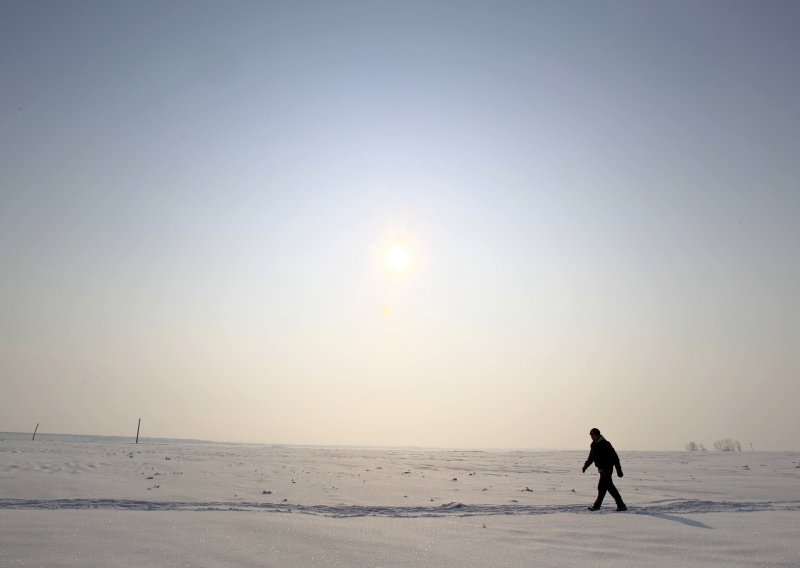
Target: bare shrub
695, 447
727, 445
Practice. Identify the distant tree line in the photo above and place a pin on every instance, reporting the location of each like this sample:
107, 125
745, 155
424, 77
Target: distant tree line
726, 445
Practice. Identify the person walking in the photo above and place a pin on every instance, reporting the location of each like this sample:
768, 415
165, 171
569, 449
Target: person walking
603, 455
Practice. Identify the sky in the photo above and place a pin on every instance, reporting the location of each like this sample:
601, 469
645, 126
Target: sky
440, 224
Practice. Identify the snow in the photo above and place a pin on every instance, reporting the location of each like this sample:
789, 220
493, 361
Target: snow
112, 503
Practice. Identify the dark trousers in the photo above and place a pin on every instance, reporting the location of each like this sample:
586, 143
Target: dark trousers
606, 484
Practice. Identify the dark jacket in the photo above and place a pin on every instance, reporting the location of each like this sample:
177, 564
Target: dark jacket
603, 455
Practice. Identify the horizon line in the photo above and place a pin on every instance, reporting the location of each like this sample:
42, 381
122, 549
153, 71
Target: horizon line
168, 439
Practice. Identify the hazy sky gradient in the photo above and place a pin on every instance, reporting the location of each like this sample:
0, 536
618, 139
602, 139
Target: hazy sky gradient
600, 199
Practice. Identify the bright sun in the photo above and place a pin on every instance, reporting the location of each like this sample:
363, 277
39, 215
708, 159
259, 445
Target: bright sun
397, 258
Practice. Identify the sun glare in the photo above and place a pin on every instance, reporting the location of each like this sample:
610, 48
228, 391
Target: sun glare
397, 258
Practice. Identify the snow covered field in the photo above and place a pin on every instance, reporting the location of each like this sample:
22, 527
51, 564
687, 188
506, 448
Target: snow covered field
114, 503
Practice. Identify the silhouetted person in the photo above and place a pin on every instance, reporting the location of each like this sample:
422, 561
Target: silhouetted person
603, 455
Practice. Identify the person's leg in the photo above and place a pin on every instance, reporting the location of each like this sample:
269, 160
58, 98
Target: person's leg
615, 493
602, 488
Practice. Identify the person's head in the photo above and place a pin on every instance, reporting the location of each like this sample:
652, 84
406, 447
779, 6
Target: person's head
595, 434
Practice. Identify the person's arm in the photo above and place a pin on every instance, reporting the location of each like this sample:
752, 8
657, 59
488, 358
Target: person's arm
589, 460
616, 461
